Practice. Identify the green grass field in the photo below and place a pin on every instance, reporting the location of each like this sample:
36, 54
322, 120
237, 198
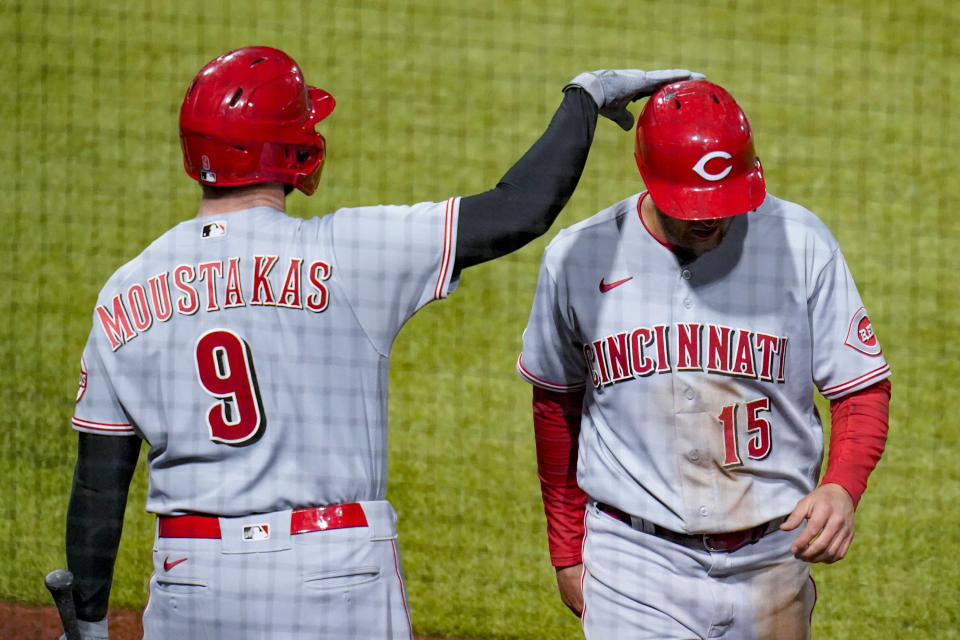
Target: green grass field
854, 106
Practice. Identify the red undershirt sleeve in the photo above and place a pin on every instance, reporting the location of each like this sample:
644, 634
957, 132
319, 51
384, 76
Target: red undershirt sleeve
858, 434
556, 421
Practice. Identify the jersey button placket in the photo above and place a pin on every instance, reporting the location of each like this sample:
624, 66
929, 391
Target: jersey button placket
685, 276
694, 476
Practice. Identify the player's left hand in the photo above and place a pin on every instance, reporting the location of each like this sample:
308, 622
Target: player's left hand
828, 533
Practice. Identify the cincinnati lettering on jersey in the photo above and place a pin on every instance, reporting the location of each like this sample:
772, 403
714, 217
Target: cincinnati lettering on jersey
213, 286
696, 347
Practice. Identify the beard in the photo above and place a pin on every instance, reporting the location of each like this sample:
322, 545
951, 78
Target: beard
690, 239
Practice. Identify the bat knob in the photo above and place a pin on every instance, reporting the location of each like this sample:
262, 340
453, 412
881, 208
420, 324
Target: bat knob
59, 579
60, 584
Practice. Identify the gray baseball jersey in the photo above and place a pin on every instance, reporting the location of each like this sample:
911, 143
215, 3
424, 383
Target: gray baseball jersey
699, 411
250, 350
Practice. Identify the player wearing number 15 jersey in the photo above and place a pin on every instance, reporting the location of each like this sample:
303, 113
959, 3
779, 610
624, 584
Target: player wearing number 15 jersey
250, 350
675, 344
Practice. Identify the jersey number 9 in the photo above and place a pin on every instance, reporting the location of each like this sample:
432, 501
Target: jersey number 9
225, 371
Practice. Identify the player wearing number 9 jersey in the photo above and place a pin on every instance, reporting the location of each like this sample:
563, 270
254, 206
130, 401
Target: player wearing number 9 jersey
675, 344
250, 351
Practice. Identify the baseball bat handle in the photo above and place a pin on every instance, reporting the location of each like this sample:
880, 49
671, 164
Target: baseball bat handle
60, 584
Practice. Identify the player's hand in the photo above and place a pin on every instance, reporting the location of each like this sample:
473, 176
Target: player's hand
613, 89
91, 630
569, 580
828, 533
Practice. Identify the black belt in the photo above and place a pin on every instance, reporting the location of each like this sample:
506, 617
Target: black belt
723, 542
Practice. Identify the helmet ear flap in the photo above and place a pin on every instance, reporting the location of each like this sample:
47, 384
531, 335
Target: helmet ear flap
307, 181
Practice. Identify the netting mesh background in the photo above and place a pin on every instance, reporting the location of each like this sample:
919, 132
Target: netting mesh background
854, 111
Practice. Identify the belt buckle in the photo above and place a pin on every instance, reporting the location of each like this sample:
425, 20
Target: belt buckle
736, 540
727, 544
707, 538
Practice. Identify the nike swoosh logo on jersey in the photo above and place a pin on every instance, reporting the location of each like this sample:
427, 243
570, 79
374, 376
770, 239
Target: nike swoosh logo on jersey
604, 287
167, 565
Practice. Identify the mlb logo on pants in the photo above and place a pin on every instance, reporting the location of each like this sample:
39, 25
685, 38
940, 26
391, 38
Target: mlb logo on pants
253, 532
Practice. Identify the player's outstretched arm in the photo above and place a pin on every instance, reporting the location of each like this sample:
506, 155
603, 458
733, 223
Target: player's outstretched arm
101, 481
529, 197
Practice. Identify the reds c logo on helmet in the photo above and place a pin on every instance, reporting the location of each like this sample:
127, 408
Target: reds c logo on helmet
249, 117
695, 153
701, 166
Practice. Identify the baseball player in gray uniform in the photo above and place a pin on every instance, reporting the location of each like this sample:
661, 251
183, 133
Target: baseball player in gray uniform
675, 343
250, 351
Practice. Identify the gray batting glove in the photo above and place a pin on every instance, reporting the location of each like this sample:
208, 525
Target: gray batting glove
613, 89
91, 630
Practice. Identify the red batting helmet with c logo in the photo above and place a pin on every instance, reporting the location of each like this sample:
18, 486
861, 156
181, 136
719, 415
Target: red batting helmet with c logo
249, 117
695, 153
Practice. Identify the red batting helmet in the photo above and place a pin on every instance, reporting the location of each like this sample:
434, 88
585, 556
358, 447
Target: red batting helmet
248, 117
695, 153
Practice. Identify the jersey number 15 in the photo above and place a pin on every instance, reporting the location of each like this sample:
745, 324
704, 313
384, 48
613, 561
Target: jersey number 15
758, 428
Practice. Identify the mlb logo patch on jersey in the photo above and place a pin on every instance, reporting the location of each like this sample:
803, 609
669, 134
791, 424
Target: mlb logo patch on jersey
214, 229
860, 335
253, 532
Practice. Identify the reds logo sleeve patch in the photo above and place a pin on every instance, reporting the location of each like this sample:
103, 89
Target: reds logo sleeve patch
860, 335
82, 387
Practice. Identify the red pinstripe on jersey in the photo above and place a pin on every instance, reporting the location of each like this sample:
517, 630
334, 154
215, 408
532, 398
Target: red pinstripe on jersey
545, 384
101, 426
447, 248
839, 389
